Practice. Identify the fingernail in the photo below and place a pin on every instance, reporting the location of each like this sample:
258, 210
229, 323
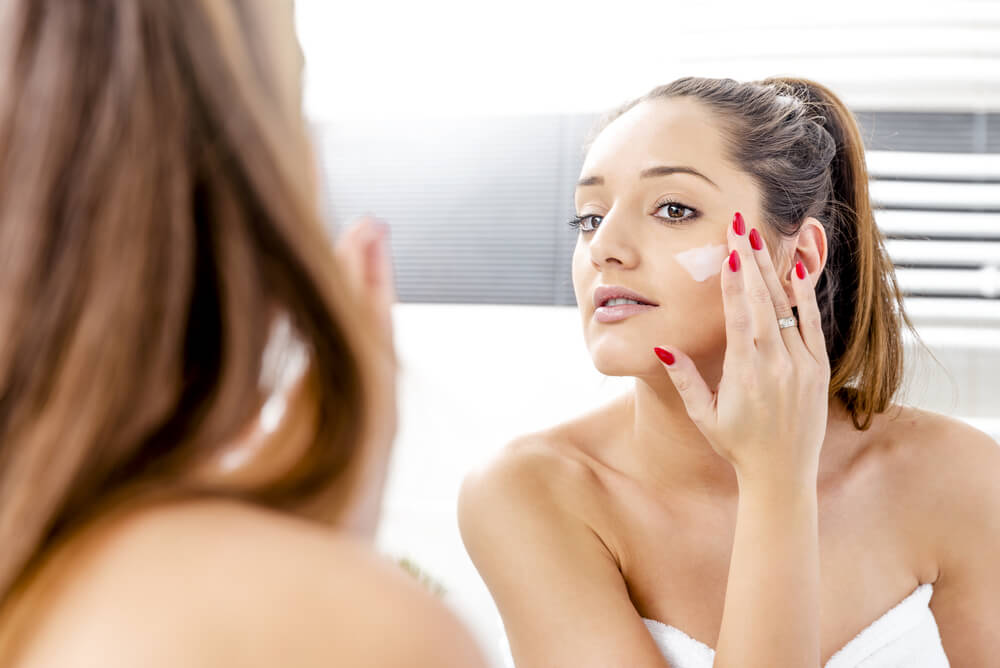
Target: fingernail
665, 356
739, 227
734, 261
755, 241
800, 270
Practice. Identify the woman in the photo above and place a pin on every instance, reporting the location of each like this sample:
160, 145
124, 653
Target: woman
157, 223
757, 492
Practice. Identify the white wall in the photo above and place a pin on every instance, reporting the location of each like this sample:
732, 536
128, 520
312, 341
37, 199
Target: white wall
401, 59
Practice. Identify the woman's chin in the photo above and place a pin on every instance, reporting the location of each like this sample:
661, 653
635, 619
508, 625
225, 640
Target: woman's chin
624, 362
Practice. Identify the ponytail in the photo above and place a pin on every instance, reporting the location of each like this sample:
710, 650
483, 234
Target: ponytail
866, 304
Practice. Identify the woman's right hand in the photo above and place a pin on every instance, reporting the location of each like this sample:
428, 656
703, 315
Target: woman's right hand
768, 416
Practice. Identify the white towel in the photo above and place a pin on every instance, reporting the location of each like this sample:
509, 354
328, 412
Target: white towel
904, 637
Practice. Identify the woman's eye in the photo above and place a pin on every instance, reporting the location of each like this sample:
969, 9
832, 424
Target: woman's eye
586, 223
676, 211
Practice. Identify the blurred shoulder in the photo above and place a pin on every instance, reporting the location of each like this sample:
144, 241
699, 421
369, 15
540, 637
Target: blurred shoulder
213, 583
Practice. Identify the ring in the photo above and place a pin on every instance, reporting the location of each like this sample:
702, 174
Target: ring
790, 321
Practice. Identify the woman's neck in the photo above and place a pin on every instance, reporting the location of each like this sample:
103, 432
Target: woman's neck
665, 449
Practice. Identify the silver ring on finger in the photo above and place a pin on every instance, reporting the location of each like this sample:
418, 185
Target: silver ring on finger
790, 321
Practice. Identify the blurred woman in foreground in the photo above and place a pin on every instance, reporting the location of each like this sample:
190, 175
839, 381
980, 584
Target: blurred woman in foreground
157, 220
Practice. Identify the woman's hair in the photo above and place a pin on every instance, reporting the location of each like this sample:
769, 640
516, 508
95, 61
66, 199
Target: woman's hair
803, 148
157, 210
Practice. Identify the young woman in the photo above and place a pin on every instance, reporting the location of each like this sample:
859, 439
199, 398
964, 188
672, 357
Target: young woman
757, 492
157, 221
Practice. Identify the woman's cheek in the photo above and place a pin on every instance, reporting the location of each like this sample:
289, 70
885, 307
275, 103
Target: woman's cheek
697, 308
703, 262
582, 272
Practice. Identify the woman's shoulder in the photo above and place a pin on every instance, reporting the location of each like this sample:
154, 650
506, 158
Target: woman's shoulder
550, 480
941, 473
922, 443
209, 583
949, 501
920, 453
551, 463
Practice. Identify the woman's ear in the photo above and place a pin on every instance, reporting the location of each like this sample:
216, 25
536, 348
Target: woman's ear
809, 249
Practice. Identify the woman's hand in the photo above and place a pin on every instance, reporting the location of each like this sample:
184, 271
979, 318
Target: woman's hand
768, 416
366, 266
363, 253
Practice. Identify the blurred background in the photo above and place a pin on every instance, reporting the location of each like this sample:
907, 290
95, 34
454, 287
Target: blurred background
462, 125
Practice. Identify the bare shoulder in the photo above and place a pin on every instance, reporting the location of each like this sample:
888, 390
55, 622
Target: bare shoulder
541, 498
936, 451
553, 471
224, 583
943, 473
931, 481
533, 522
952, 500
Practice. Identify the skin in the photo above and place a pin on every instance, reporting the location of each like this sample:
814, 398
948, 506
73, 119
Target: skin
725, 495
225, 583
207, 584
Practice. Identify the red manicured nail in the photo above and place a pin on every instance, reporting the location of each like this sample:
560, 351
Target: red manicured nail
734, 261
800, 271
739, 227
755, 241
665, 356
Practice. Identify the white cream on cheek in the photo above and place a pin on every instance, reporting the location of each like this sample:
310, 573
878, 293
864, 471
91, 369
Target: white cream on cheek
703, 262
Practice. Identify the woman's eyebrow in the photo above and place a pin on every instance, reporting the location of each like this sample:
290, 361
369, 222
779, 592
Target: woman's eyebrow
661, 170
664, 170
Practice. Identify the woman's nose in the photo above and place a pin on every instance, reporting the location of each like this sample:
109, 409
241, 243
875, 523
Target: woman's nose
611, 244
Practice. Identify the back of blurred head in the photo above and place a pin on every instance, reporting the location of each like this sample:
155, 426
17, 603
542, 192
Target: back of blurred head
157, 209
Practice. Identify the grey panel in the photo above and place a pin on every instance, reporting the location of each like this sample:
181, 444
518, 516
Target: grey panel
992, 133
478, 207
930, 132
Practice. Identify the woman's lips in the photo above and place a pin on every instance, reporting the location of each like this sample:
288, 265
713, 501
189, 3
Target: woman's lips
619, 312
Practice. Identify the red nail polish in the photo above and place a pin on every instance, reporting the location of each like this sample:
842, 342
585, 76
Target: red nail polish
800, 270
734, 261
755, 241
739, 227
665, 356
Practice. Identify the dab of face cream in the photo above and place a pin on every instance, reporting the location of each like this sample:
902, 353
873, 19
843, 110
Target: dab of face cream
704, 262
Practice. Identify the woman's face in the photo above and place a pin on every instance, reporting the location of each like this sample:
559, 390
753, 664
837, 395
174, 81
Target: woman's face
660, 233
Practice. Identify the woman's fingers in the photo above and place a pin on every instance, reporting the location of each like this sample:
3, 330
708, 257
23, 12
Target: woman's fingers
380, 279
357, 249
363, 253
780, 305
699, 400
739, 318
810, 321
349, 256
757, 295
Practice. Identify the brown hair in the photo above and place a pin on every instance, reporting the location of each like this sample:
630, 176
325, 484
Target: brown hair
157, 208
803, 148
